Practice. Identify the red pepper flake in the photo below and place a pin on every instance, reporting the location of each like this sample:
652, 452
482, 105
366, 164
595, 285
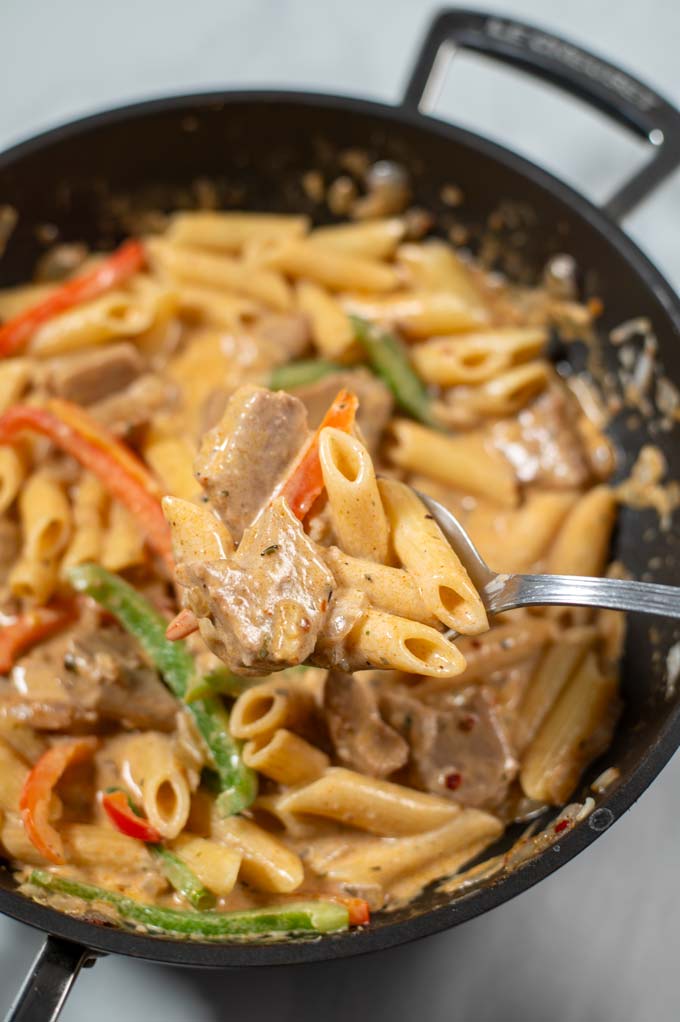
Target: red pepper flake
467, 723
562, 825
453, 780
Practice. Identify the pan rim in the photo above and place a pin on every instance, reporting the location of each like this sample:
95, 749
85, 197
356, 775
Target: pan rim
214, 955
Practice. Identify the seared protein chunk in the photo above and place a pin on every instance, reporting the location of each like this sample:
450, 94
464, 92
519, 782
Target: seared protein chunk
283, 335
362, 740
136, 405
262, 609
86, 676
105, 667
246, 454
375, 401
458, 749
90, 376
543, 443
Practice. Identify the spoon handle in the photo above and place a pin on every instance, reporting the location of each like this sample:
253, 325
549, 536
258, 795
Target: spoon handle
505, 592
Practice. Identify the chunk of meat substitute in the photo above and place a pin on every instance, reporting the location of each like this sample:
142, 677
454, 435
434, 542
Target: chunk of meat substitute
263, 608
91, 376
458, 749
247, 453
84, 676
135, 405
543, 443
375, 401
362, 740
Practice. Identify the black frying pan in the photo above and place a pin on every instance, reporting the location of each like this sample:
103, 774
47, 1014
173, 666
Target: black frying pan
86, 177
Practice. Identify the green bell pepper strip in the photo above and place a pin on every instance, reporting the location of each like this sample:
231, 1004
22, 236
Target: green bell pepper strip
176, 665
293, 917
298, 374
388, 358
182, 878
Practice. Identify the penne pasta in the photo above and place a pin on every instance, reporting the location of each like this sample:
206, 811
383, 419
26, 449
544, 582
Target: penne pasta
506, 645
15, 300
467, 461
216, 865
16, 842
194, 266
34, 580
89, 510
574, 732
478, 357
151, 769
12, 475
13, 774
367, 803
45, 515
373, 239
510, 391
209, 306
172, 458
514, 540
356, 509
418, 314
123, 544
114, 316
263, 709
420, 545
331, 327
267, 864
285, 758
395, 642
435, 266
88, 844
387, 861
229, 231
556, 666
582, 544
390, 589
331, 267
15, 376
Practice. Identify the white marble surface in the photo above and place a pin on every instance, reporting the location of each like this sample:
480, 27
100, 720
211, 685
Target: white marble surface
598, 942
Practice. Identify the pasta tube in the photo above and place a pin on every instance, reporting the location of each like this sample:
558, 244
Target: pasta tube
445, 585
369, 804
356, 509
466, 462
477, 357
576, 730
380, 639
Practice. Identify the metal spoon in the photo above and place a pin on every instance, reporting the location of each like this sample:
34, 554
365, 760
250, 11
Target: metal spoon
505, 592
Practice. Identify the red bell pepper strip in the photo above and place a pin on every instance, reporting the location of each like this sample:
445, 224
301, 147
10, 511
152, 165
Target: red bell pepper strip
123, 263
120, 471
359, 912
305, 482
37, 791
29, 628
117, 807
182, 624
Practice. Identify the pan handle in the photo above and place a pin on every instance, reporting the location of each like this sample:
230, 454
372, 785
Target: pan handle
49, 982
603, 85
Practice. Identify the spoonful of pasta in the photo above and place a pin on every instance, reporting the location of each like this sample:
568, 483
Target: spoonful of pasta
297, 553
502, 592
